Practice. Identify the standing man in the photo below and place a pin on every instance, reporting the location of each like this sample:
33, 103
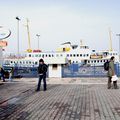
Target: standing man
111, 72
42, 69
2, 74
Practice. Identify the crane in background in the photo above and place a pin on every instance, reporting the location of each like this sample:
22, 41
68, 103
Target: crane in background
29, 50
28, 32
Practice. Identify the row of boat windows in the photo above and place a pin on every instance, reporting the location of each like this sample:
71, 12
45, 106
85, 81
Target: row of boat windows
59, 55
77, 55
97, 61
94, 61
24, 62
29, 62
112, 54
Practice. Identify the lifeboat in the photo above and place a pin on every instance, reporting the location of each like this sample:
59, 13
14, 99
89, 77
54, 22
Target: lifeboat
96, 56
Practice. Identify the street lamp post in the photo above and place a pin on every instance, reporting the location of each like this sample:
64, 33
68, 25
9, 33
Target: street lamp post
119, 45
18, 19
38, 39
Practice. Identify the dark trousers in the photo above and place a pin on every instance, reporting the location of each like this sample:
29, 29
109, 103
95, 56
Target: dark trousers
2, 75
109, 83
44, 82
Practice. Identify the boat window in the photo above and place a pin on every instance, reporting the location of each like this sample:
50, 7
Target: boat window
57, 55
29, 55
39, 55
54, 66
87, 54
32, 55
67, 55
95, 61
98, 61
20, 62
35, 63
26, 62
70, 55
11, 61
23, 62
74, 55
104, 60
73, 61
29, 62
36, 55
88, 61
76, 61
61, 55
52, 55
49, 55
43, 55
80, 55
77, 55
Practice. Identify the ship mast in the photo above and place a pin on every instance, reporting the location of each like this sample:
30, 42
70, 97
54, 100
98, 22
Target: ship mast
29, 45
110, 47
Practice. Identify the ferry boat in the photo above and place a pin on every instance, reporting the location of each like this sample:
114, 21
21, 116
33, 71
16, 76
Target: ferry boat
73, 54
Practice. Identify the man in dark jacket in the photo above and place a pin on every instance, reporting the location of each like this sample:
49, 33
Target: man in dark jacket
42, 69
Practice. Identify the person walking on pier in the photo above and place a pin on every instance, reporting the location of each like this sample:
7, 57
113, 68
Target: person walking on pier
42, 69
111, 72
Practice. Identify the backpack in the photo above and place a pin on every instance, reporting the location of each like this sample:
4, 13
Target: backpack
106, 66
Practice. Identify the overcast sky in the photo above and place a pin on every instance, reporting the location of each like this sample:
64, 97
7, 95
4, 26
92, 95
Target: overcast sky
59, 21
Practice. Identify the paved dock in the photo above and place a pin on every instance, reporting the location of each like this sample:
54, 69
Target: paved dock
65, 99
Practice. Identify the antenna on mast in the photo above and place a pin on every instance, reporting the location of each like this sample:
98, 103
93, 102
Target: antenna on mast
110, 47
81, 42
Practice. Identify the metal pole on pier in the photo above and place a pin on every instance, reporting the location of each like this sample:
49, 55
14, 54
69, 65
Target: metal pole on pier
18, 52
18, 19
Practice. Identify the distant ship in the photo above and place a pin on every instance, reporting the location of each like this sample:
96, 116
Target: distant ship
73, 54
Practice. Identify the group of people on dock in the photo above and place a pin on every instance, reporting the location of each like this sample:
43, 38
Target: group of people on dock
42, 70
